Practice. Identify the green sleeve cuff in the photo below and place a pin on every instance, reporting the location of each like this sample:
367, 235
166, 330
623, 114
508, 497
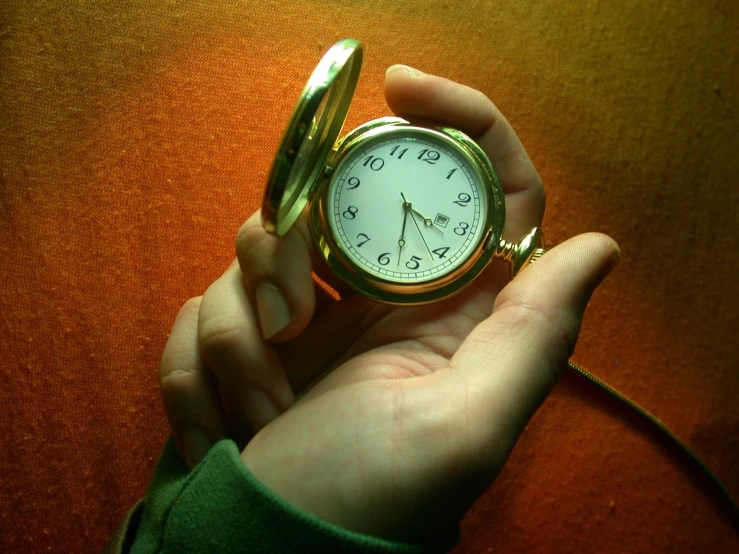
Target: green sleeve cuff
221, 507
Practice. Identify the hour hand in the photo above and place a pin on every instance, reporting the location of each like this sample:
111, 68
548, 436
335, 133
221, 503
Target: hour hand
426, 220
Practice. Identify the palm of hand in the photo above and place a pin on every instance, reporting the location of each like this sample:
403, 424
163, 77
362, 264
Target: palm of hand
386, 422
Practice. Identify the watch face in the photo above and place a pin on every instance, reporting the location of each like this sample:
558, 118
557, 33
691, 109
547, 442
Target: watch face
406, 206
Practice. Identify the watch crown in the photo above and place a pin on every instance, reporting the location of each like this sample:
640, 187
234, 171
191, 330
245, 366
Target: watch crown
538, 253
530, 249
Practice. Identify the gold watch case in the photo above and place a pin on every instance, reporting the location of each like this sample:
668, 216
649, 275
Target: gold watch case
410, 293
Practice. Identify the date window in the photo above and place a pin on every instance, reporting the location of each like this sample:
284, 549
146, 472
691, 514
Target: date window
441, 220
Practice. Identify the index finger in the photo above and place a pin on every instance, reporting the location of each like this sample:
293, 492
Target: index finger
278, 276
413, 94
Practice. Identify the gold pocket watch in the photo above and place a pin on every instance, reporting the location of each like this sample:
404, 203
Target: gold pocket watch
404, 214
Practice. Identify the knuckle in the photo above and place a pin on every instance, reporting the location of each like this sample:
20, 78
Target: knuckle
192, 306
248, 237
219, 335
178, 380
259, 252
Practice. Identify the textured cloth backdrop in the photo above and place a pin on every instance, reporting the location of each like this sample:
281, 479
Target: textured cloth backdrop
135, 137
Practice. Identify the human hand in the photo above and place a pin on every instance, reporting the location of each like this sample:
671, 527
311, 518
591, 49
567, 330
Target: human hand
386, 421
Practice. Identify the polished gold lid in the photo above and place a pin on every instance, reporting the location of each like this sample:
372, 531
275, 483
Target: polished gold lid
314, 126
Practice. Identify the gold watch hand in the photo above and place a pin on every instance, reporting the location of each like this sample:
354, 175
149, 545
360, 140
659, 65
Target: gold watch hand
422, 237
427, 220
401, 241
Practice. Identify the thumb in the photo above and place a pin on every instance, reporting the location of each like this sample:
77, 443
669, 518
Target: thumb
513, 359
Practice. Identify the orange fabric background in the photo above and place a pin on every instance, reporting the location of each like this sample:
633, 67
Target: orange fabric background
136, 137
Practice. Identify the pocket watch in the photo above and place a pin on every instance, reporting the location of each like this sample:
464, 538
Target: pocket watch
402, 213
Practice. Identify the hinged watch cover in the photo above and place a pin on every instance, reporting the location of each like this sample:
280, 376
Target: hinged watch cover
314, 126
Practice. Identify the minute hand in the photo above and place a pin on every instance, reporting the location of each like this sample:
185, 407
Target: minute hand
401, 241
421, 234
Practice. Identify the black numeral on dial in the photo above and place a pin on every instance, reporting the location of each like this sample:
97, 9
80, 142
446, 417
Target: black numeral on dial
375, 164
429, 156
441, 252
413, 263
361, 236
463, 199
462, 229
402, 152
353, 183
383, 259
350, 212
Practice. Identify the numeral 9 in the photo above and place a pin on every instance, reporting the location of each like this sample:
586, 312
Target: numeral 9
353, 183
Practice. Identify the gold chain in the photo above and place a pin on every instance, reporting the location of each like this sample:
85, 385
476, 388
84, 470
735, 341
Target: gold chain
718, 487
528, 251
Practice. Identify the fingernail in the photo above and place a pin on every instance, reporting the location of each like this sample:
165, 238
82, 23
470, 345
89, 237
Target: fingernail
399, 67
196, 445
259, 408
272, 309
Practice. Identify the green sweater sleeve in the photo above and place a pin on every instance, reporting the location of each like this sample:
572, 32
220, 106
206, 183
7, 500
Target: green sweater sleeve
221, 507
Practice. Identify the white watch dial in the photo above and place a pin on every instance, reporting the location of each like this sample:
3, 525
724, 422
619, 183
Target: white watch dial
406, 207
